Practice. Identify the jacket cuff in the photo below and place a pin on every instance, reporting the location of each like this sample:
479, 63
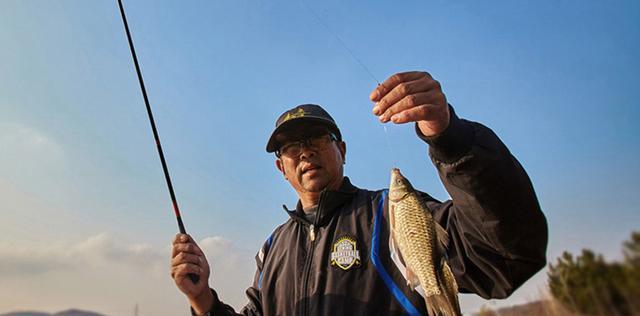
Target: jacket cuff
453, 142
215, 305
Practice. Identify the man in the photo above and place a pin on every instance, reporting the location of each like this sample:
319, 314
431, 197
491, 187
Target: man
332, 256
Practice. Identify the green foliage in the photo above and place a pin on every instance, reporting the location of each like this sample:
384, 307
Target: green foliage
631, 252
588, 284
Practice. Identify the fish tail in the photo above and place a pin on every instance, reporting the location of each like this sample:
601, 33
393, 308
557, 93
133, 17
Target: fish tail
451, 288
438, 305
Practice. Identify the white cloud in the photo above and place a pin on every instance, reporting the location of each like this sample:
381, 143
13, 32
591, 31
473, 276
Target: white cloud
219, 251
95, 251
30, 159
19, 140
103, 250
232, 268
102, 272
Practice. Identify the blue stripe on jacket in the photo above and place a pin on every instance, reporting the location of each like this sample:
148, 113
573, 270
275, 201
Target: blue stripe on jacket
375, 258
269, 242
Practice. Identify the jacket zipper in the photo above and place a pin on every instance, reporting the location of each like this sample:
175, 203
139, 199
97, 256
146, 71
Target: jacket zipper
312, 233
309, 259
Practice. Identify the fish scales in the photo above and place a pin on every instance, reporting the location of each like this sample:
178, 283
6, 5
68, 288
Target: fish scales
421, 243
416, 234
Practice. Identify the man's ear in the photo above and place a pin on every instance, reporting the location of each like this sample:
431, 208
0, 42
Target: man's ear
343, 151
280, 167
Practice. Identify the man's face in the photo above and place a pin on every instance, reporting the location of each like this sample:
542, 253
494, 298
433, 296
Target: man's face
313, 169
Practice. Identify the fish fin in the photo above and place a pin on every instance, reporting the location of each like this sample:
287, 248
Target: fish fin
438, 305
412, 279
451, 287
442, 236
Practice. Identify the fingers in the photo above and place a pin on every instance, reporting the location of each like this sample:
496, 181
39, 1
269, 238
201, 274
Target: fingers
181, 238
410, 101
186, 247
399, 92
187, 262
406, 91
187, 259
181, 271
389, 84
184, 257
184, 243
414, 114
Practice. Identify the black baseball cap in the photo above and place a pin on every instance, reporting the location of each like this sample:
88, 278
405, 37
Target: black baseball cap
301, 114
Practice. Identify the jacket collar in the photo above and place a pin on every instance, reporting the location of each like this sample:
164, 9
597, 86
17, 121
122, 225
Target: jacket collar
330, 202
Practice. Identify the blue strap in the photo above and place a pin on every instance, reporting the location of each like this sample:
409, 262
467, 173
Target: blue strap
264, 251
375, 258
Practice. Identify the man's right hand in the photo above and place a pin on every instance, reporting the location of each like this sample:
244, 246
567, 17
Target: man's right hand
187, 258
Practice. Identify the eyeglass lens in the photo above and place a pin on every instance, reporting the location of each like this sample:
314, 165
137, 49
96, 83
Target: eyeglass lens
313, 143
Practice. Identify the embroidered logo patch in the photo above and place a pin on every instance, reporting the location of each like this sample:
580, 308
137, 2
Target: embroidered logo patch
345, 254
297, 114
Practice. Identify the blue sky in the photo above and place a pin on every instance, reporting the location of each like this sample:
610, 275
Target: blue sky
79, 175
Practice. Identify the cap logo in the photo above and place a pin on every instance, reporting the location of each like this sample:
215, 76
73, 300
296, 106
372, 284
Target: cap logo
345, 254
297, 114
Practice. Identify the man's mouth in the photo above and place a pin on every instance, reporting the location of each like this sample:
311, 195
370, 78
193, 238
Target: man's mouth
310, 167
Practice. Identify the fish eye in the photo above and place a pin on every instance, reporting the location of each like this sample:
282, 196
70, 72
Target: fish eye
398, 181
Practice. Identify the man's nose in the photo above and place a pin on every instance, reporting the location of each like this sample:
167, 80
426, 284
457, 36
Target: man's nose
306, 151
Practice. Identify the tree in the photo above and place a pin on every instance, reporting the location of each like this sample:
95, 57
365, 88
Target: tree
631, 251
590, 285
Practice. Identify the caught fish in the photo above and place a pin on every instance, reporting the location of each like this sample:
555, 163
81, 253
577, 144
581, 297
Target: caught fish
422, 244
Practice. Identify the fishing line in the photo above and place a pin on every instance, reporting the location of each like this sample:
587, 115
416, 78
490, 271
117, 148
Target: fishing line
353, 55
344, 45
386, 136
174, 201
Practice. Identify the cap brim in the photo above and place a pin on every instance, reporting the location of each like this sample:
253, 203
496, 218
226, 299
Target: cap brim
273, 145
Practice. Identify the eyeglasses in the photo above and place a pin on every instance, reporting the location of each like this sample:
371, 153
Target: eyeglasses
294, 148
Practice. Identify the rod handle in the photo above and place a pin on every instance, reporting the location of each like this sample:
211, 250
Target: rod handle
193, 277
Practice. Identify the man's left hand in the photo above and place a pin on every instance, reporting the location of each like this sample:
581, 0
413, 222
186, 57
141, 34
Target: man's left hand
412, 97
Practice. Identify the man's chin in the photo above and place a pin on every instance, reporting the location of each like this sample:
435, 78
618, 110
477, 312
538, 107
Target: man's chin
314, 185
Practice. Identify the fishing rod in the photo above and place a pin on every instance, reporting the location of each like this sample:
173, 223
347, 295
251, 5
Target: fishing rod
174, 201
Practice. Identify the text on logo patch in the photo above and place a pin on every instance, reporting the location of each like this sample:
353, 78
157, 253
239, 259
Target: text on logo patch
345, 253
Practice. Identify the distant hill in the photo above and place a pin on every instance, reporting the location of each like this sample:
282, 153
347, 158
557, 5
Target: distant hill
26, 314
76, 312
71, 312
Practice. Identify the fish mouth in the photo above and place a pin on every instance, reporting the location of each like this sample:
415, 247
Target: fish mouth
399, 188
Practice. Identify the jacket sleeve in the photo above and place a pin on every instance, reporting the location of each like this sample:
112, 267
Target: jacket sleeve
253, 308
498, 233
